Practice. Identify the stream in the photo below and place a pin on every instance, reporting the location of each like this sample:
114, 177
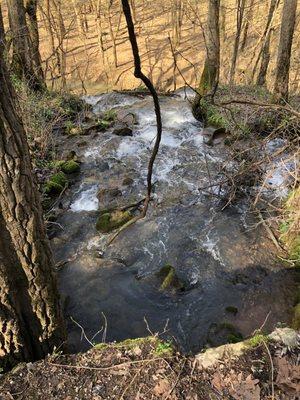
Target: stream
233, 282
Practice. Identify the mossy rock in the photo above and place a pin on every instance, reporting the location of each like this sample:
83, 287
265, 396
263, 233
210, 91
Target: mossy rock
56, 184
53, 188
169, 279
59, 178
109, 221
70, 167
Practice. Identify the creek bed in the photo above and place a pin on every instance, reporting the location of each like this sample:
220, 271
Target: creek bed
232, 281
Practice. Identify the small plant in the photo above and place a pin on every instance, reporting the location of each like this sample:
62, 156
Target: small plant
257, 340
110, 115
164, 348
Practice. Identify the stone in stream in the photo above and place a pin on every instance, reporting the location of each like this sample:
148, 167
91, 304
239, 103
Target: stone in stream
169, 279
127, 181
107, 195
123, 131
111, 220
211, 134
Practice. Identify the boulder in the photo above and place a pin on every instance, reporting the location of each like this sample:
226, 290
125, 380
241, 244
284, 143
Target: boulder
123, 131
111, 220
212, 134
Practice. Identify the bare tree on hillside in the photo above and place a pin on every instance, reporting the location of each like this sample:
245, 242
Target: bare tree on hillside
240, 9
210, 75
281, 87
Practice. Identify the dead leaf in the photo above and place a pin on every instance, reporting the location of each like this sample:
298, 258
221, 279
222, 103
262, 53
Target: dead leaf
162, 388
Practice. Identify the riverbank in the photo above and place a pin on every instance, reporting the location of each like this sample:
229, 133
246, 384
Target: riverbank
262, 368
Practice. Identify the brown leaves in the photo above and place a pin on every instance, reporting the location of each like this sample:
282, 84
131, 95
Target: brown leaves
288, 375
237, 386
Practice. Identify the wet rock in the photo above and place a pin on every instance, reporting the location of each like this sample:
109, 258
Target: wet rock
212, 134
106, 195
123, 131
109, 221
103, 166
83, 143
127, 181
128, 118
169, 279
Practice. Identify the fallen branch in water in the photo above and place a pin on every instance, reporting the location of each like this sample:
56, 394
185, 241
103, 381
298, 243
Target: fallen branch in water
139, 74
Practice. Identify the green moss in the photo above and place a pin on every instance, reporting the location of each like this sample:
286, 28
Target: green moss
103, 124
108, 221
169, 278
257, 340
110, 116
164, 349
296, 318
55, 184
59, 178
128, 343
234, 337
69, 167
52, 188
212, 116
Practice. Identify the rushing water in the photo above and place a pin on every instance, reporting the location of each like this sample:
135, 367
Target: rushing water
222, 258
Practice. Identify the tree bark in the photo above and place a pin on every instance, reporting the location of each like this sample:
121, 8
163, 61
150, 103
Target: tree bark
239, 21
22, 214
266, 37
210, 75
31, 11
265, 59
22, 60
281, 87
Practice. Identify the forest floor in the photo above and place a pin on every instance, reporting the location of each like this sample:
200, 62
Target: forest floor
144, 369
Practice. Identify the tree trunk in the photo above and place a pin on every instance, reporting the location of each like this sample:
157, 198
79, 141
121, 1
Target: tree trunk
281, 88
265, 38
22, 62
22, 214
210, 75
31, 11
239, 21
265, 59
249, 20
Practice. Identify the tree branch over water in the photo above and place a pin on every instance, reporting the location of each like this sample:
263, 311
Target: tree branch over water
138, 73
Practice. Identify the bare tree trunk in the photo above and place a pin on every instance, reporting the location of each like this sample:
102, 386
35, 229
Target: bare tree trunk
210, 75
22, 62
31, 11
266, 36
249, 19
265, 59
281, 88
239, 21
22, 214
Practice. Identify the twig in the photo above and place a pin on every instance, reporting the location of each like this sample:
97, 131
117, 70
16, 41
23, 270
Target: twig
259, 104
272, 369
105, 328
83, 334
124, 364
